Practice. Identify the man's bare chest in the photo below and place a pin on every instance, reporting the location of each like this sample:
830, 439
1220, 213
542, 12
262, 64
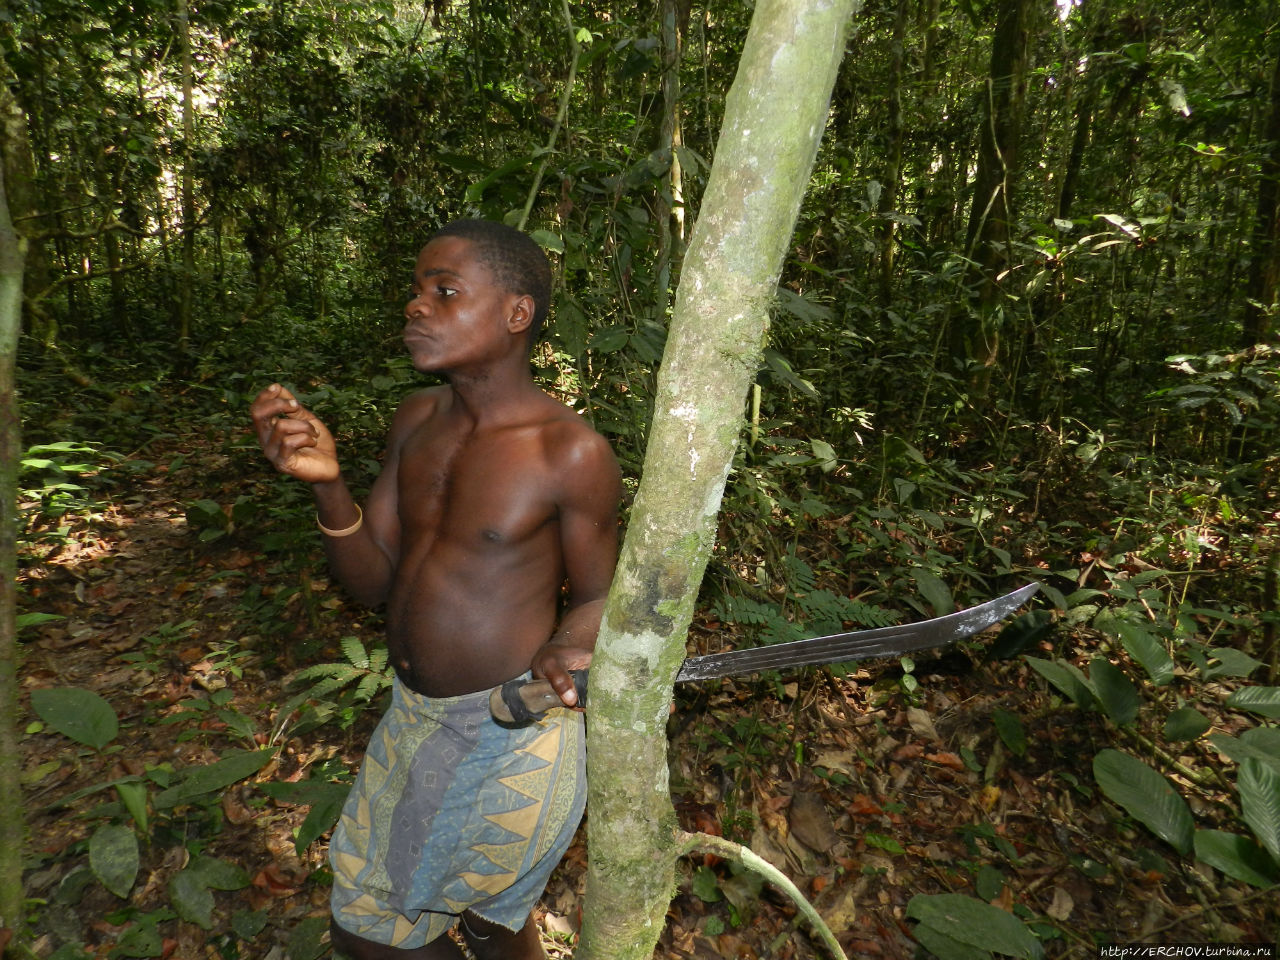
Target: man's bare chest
488, 489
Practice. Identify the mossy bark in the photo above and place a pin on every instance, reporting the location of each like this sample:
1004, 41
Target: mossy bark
12, 140
775, 115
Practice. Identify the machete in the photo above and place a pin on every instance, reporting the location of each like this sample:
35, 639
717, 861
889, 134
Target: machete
521, 700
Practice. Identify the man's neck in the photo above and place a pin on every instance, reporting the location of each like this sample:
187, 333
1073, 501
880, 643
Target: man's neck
495, 394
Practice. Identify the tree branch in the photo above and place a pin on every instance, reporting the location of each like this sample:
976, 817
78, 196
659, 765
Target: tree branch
560, 115
687, 843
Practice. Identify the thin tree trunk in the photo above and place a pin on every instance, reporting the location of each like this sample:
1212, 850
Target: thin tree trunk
12, 250
893, 156
1264, 263
671, 205
775, 115
188, 196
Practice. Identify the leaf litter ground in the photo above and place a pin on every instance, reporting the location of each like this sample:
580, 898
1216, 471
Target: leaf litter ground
863, 795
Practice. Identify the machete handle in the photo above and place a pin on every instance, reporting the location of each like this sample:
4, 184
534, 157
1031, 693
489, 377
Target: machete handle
522, 701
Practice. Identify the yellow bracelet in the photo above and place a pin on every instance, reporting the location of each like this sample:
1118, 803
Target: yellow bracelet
346, 532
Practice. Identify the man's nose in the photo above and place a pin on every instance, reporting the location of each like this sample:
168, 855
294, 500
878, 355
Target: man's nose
416, 307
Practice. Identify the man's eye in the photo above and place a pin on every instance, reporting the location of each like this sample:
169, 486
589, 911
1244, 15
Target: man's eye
446, 291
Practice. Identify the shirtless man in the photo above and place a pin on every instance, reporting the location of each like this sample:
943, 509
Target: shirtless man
493, 499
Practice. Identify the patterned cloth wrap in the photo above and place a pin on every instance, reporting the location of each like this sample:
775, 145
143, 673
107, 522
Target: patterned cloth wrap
452, 812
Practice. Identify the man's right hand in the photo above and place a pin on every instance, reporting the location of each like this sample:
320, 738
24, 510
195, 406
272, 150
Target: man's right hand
293, 438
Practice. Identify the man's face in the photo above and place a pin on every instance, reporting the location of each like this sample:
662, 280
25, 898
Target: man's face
457, 316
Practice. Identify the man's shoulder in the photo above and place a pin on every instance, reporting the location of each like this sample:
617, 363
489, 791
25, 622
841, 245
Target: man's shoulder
577, 451
565, 427
421, 404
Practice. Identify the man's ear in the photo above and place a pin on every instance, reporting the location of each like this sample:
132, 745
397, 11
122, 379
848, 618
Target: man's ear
521, 316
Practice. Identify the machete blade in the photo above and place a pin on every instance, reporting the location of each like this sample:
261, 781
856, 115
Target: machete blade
518, 701
857, 644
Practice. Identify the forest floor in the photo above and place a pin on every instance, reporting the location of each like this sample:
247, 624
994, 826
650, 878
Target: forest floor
864, 794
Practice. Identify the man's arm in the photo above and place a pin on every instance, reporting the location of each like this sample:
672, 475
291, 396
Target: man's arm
589, 544
298, 444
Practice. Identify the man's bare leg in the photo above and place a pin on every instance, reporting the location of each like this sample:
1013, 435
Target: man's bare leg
352, 947
491, 941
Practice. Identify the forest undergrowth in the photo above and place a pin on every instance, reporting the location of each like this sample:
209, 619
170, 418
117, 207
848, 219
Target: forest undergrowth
197, 694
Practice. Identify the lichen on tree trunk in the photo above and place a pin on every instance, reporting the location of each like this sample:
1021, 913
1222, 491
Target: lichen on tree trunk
775, 114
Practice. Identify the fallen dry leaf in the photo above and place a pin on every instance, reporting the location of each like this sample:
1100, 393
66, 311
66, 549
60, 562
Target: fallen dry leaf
811, 822
946, 760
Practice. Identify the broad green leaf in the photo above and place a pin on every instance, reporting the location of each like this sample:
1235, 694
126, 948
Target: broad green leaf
1021, 634
975, 923
247, 924
1259, 787
706, 885
988, 882
1266, 739
1011, 731
218, 874
322, 816
545, 238
1261, 700
1236, 856
113, 858
1143, 647
825, 454
1247, 747
141, 940
192, 898
945, 947
216, 776
307, 940
1230, 663
1185, 723
133, 794
35, 619
205, 514
1067, 678
1116, 692
77, 713
1146, 796
933, 589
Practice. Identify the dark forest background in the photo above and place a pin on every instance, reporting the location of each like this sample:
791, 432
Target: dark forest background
1026, 331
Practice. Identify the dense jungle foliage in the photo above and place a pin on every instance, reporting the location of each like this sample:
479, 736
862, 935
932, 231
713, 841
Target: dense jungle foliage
1026, 332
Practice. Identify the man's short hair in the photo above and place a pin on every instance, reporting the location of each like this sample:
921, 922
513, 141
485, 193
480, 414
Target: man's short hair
515, 260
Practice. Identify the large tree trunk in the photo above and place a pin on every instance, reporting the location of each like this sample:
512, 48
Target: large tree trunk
12, 248
775, 114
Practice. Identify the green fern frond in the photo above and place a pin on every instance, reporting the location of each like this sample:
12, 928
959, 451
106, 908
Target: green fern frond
355, 653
